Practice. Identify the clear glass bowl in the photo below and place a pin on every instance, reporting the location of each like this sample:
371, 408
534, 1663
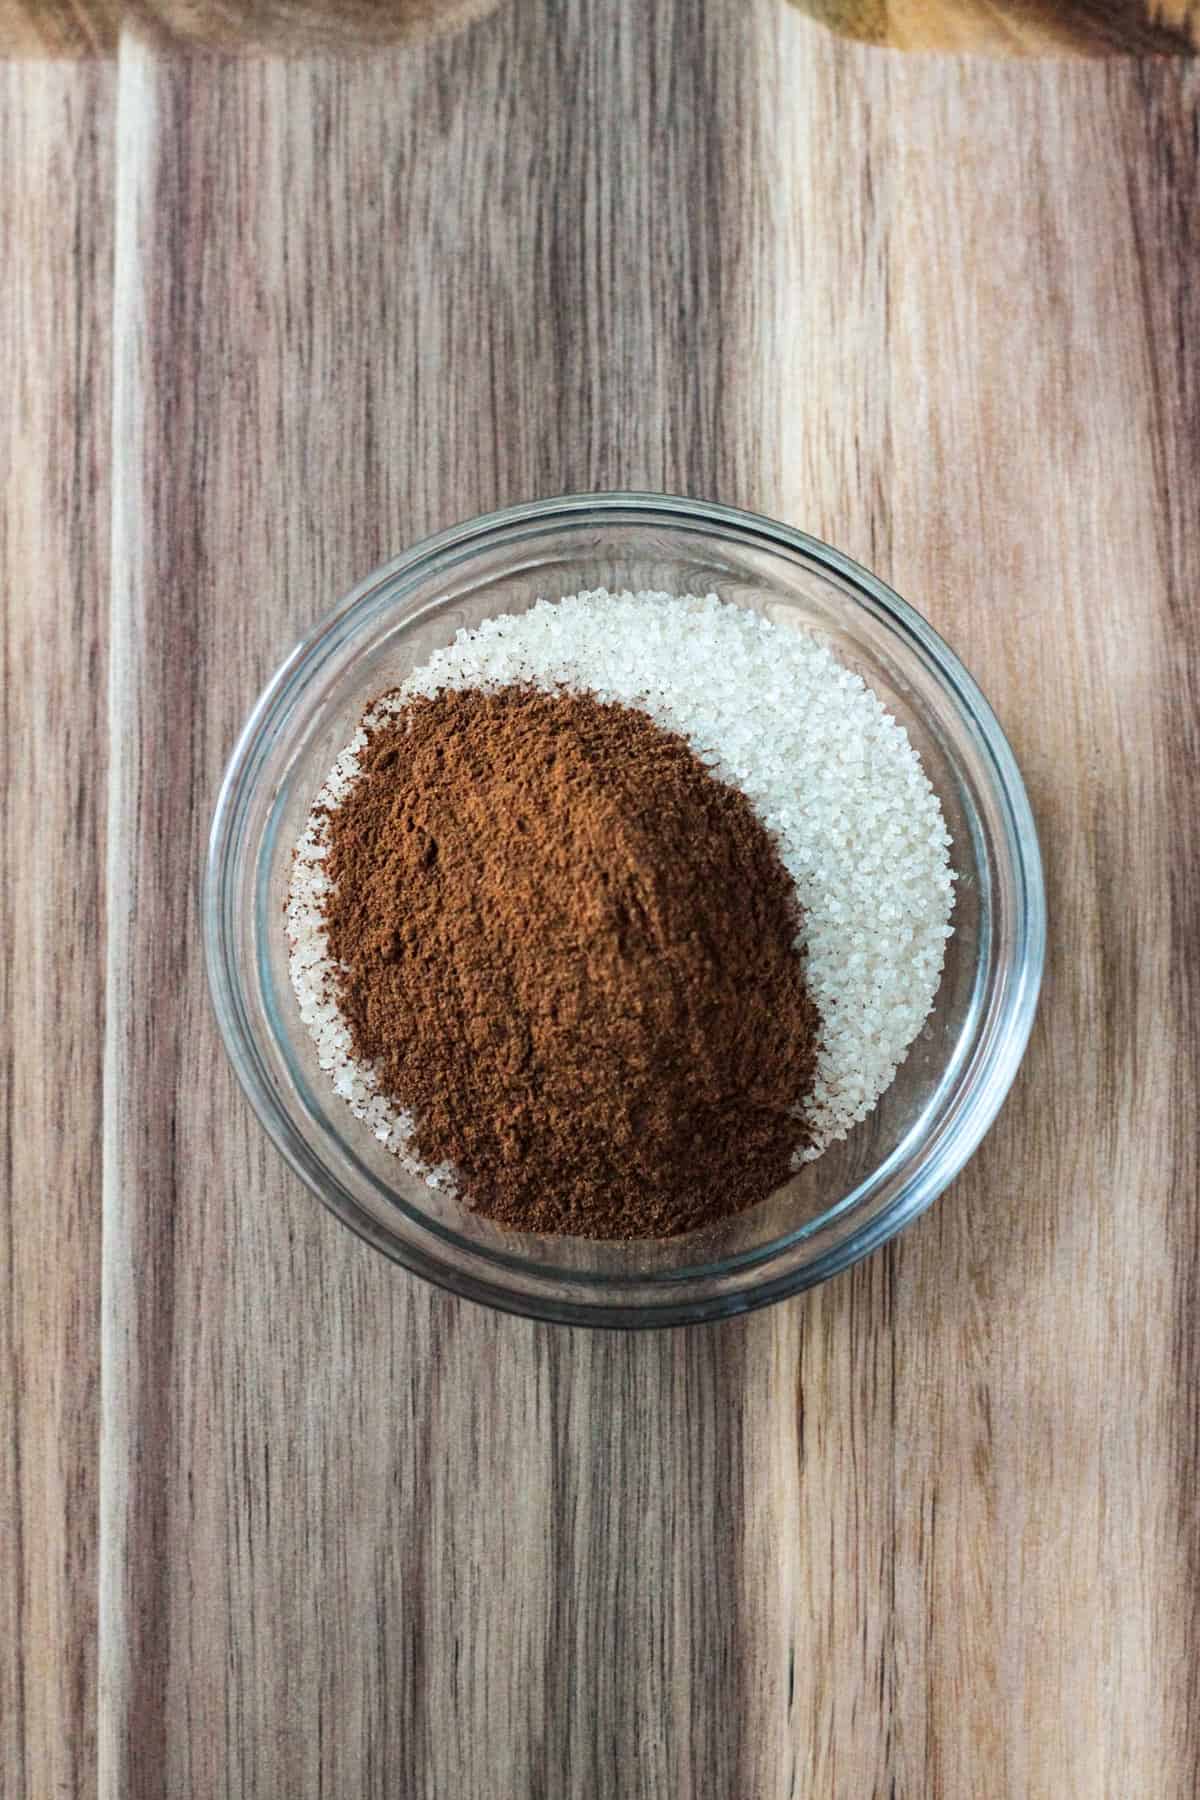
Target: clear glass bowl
838, 1208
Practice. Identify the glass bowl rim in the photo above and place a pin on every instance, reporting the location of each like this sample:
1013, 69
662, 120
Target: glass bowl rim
980, 1100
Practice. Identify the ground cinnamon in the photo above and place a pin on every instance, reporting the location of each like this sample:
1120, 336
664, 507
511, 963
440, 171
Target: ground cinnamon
570, 952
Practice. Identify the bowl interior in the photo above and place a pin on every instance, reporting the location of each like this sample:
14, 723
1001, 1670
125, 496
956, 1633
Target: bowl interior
391, 625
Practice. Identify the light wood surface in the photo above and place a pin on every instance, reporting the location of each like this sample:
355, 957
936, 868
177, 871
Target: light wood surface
930, 1531
55, 312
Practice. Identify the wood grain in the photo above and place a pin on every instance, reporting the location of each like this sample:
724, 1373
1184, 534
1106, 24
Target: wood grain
930, 1531
999, 27
55, 310
360, 1538
1017, 27
1008, 428
93, 27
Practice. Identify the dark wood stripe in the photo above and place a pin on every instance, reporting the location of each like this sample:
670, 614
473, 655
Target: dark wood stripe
1162, 161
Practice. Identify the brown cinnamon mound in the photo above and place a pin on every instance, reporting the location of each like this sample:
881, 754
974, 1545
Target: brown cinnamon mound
570, 952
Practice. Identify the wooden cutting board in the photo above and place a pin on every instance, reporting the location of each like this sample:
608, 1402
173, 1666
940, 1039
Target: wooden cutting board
277, 1519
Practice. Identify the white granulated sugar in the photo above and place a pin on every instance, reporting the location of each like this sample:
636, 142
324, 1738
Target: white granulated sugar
831, 774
